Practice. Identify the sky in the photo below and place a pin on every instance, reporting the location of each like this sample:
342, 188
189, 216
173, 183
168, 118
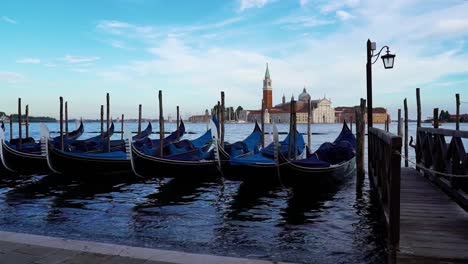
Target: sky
193, 50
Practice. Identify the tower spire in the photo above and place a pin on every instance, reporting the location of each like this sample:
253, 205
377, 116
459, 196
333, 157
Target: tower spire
267, 72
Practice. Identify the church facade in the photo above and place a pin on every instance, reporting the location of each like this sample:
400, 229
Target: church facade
321, 109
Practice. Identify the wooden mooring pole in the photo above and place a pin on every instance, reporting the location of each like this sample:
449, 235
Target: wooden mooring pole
20, 132
11, 127
418, 105
262, 123
27, 121
139, 120
161, 125
108, 121
122, 129
294, 128
218, 116
66, 118
360, 126
290, 127
102, 121
436, 118
61, 123
457, 122
399, 132
177, 122
405, 107
222, 118
308, 124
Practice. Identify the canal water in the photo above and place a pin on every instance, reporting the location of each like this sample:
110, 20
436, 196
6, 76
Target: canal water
220, 217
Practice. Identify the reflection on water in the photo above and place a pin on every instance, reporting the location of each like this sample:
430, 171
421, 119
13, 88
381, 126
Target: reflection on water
217, 217
220, 217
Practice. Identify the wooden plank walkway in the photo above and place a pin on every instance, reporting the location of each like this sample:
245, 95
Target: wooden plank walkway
433, 228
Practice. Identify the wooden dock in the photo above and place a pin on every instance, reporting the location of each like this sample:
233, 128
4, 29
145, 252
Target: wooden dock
433, 228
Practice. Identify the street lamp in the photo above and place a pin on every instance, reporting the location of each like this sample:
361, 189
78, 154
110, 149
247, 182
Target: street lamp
388, 60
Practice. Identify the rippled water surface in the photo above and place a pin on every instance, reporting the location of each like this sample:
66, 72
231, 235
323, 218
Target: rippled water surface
221, 217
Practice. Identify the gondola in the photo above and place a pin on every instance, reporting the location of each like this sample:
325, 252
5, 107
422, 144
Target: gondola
248, 146
27, 159
262, 166
74, 134
90, 164
328, 166
197, 162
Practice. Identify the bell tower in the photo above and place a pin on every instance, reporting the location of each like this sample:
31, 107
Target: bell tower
267, 91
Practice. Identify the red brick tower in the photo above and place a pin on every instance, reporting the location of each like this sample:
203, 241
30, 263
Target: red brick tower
267, 91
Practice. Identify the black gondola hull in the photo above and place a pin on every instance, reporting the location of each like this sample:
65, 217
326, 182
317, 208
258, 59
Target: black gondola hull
24, 163
86, 167
151, 167
315, 178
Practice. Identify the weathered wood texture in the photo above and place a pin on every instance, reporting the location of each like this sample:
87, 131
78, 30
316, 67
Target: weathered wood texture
433, 228
360, 133
384, 175
440, 159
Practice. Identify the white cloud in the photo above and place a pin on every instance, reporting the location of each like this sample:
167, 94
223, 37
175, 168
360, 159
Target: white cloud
29, 61
454, 25
343, 15
334, 5
79, 59
303, 2
119, 44
11, 77
331, 62
8, 20
303, 21
246, 4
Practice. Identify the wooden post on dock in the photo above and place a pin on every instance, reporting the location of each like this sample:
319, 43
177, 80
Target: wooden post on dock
11, 127
61, 123
399, 131
20, 132
262, 122
309, 117
457, 123
387, 123
222, 118
66, 118
436, 117
139, 120
161, 125
360, 133
108, 121
405, 107
177, 122
122, 129
102, 121
27, 121
418, 105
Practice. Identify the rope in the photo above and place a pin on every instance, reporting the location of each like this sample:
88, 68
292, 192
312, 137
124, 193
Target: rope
431, 170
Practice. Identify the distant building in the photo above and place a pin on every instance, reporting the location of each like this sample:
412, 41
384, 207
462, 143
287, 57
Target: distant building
379, 114
321, 111
463, 117
200, 118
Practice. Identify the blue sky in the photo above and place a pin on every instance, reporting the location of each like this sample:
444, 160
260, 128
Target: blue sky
192, 50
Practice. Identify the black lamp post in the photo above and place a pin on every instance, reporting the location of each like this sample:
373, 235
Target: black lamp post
388, 60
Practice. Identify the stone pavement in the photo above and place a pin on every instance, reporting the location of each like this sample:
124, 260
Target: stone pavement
18, 248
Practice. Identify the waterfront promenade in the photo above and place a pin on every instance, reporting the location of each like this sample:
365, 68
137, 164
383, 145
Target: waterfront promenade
18, 248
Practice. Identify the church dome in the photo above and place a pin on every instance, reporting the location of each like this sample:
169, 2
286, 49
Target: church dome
304, 96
